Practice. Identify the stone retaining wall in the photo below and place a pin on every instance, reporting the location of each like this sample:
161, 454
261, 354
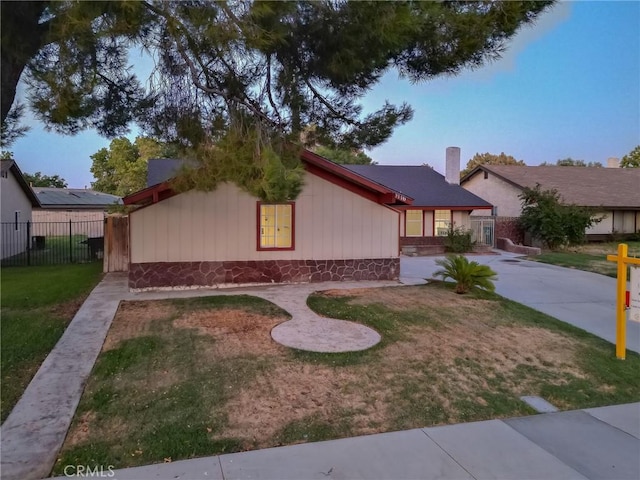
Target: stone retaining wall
508, 246
195, 274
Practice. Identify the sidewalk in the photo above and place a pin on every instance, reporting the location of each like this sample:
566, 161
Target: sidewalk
600, 443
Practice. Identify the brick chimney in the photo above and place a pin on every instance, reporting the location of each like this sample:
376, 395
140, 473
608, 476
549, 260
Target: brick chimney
613, 162
452, 168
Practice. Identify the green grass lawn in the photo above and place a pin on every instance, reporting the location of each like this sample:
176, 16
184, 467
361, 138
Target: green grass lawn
61, 249
37, 304
590, 257
197, 377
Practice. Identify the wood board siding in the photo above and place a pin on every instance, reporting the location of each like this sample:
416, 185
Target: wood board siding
331, 223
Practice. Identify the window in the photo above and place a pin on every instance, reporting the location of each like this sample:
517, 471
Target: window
276, 226
17, 220
413, 223
5, 174
441, 222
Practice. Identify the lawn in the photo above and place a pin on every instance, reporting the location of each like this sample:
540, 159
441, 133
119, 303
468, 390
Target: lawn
181, 379
591, 257
62, 249
37, 304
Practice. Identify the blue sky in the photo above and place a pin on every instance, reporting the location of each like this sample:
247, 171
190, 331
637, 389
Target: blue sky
567, 87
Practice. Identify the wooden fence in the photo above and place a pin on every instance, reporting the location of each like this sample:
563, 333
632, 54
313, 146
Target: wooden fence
116, 244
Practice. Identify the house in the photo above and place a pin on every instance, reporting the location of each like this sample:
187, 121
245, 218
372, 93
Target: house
84, 208
439, 202
342, 226
614, 192
17, 200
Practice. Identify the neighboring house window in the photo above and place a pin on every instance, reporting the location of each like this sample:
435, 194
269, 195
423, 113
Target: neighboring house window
441, 222
17, 220
413, 223
276, 224
5, 174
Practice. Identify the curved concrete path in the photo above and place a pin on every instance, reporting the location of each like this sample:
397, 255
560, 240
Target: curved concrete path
34, 431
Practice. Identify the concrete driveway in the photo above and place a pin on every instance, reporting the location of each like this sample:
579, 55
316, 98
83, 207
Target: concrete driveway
583, 299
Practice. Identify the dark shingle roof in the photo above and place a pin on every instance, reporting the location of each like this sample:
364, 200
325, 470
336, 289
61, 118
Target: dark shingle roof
427, 187
585, 186
50, 197
162, 169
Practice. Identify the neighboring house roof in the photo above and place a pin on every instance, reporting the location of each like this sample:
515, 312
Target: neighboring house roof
313, 163
74, 198
585, 186
12, 166
427, 187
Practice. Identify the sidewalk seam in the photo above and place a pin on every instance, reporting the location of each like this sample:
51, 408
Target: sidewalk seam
423, 430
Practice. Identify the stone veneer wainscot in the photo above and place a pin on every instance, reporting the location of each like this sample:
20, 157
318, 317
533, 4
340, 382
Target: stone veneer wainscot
195, 274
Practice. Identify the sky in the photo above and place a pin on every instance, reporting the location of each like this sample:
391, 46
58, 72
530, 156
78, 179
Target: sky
568, 86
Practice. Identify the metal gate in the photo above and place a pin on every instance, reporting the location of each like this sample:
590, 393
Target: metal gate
482, 230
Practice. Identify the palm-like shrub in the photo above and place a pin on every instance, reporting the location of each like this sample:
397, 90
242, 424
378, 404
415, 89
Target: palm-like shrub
467, 275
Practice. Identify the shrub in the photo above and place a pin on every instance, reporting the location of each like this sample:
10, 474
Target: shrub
556, 224
467, 275
458, 240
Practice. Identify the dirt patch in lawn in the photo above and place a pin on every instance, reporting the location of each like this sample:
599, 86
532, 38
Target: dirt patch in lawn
292, 392
236, 331
136, 319
404, 298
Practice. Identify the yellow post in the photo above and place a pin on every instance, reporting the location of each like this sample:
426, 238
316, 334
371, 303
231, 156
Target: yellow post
621, 325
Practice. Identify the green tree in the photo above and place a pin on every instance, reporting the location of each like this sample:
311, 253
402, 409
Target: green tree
468, 275
631, 159
554, 223
227, 70
122, 168
344, 156
570, 162
490, 159
40, 180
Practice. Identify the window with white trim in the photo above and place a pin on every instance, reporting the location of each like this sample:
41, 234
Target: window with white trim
441, 222
413, 223
276, 226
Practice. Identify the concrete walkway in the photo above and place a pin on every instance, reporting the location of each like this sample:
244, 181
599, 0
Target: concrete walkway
601, 443
584, 299
36, 428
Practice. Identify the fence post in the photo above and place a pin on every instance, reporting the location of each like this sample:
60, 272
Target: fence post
29, 243
70, 245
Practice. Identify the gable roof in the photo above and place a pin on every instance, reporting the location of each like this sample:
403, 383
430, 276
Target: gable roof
585, 186
12, 166
76, 198
427, 187
313, 163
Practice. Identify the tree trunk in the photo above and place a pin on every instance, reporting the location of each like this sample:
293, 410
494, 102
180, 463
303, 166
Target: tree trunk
22, 37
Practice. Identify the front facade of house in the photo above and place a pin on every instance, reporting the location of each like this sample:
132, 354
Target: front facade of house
341, 227
17, 201
613, 192
439, 202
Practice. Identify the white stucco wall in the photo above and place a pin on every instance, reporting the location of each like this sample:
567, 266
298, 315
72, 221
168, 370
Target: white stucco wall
496, 191
330, 223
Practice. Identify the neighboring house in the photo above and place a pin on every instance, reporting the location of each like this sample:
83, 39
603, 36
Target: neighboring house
17, 199
439, 202
85, 209
614, 192
342, 226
